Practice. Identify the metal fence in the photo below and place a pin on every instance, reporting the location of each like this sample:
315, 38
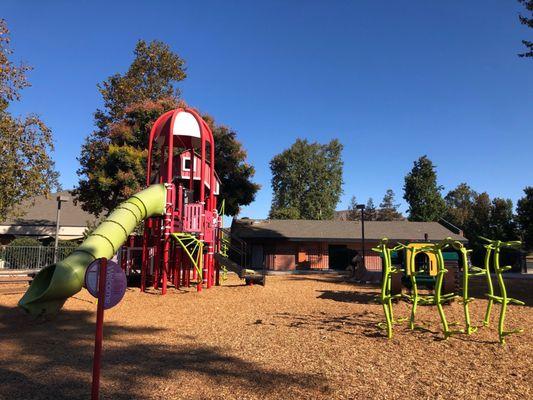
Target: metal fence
30, 257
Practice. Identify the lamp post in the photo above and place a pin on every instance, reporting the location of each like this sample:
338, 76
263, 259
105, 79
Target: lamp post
60, 199
362, 208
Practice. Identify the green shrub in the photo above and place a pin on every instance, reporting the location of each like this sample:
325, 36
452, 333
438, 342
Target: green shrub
65, 248
24, 242
71, 244
22, 252
27, 252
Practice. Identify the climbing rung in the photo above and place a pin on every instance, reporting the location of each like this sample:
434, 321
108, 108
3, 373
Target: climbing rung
506, 333
476, 271
503, 269
467, 301
499, 299
447, 299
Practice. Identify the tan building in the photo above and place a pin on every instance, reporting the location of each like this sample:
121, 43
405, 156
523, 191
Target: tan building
39, 220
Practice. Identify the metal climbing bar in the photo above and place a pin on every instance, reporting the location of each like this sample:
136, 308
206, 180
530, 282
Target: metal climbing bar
495, 246
437, 268
386, 295
468, 271
438, 299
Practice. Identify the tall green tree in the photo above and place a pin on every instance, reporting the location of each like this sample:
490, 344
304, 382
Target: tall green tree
353, 213
371, 212
524, 217
113, 161
478, 216
26, 167
113, 157
527, 20
478, 224
307, 181
388, 209
459, 203
153, 75
422, 193
502, 223
235, 173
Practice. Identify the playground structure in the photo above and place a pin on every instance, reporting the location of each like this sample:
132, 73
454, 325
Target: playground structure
191, 220
438, 270
182, 241
495, 247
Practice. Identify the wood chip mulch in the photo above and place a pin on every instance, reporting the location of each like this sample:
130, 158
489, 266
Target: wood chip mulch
299, 337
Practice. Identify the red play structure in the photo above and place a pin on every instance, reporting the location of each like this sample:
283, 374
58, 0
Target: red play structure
185, 245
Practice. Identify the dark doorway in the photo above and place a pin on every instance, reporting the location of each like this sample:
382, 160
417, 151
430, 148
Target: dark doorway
340, 256
422, 263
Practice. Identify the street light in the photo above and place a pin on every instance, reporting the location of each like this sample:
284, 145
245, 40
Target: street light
362, 208
60, 199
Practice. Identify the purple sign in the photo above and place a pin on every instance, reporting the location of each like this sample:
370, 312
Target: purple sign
115, 284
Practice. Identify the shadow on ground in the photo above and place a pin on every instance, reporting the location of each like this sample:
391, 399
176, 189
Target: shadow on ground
349, 324
340, 278
347, 296
53, 360
516, 288
329, 278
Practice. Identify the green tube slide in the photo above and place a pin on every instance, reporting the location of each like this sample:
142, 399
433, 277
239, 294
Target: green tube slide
54, 284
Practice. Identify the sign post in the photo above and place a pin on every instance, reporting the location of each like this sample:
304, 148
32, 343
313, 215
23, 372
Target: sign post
99, 335
106, 281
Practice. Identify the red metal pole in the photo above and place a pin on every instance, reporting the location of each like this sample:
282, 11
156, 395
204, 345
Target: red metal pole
180, 202
178, 266
157, 256
183, 271
123, 257
144, 259
99, 335
186, 274
164, 267
205, 272
168, 222
192, 170
170, 264
202, 202
217, 273
202, 169
169, 208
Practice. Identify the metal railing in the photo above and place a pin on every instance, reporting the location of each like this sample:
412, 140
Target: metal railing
30, 257
234, 247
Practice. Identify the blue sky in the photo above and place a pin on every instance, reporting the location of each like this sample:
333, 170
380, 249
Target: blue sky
392, 80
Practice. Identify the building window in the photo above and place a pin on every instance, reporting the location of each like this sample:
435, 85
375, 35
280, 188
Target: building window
186, 164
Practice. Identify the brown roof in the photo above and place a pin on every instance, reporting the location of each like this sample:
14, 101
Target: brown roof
44, 209
339, 230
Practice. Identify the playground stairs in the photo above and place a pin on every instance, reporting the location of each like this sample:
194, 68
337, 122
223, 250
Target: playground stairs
249, 275
233, 246
229, 264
